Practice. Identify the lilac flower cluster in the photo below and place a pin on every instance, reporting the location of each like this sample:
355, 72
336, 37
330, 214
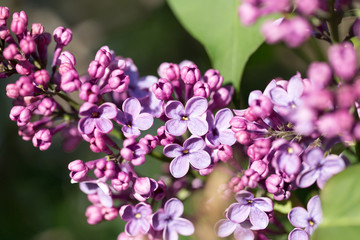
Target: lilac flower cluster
288, 131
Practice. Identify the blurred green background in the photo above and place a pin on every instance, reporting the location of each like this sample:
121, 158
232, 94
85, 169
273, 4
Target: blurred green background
37, 201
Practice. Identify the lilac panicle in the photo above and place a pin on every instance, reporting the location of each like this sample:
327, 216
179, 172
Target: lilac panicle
137, 218
190, 153
189, 117
169, 221
132, 120
318, 168
96, 117
307, 219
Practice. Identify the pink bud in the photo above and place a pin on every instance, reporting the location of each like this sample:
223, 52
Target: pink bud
70, 81
162, 89
27, 45
24, 67
169, 71
67, 57
37, 29
103, 56
224, 153
47, 106
4, 32
319, 74
201, 89
119, 81
4, 13
10, 52
19, 22
343, 59
248, 14
238, 123
89, 92
190, 74
213, 78
307, 7
110, 213
42, 78
93, 214
274, 183
243, 137
25, 86
12, 91
96, 70
42, 139
62, 36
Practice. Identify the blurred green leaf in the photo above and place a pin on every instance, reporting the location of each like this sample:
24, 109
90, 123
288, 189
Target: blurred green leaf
341, 209
216, 25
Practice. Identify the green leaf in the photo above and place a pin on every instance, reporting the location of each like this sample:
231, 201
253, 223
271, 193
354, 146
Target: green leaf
340, 201
216, 25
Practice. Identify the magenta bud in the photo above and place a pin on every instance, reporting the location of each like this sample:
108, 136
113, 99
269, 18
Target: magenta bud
262, 107
144, 187
47, 106
42, 139
345, 96
19, 22
27, 45
67, 57
37, 29
25, 86
164, 137
121, 183
243, 137
42, 77
319, 74
190, 74
24, 67
65, 67
224, 153
343, 59
94, 215
274, 184
77, 165
119, 81
110, 214
10, 52
298, 30
21, 115
127, 153
222, 97
103, 56
4, 32
62, 36
238, 123
70, 81
4, 13
162, 89
96, 70
248, 13
150, 141
89, 92
307, 7
213, 78
260, 167
169, 71
201, 89
12, 91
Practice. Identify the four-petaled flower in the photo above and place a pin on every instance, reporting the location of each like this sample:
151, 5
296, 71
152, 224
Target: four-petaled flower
192, 117
137, 218
169, 220
132, 120
96, 117
190, 153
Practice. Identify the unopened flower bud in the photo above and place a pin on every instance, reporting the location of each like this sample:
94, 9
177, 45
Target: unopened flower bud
169, 71
190, 74
213, 78
62, 36
162, 89
19, 22
42, 77
201, 89
37, 29
42, 139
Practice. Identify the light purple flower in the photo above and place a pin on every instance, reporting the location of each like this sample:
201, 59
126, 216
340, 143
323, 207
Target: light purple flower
189, 117
298, 234
137, 218
219, 132
242, 231
96, 117
169, 220
190, 153
251, 207
100, 188
308, 219
132, 120
319, 168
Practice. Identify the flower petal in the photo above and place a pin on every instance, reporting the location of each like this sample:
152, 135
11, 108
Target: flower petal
88, 187
298, 217
144, 121
307, 178
222, 118
225, 227
104, 125
86, 125
263, 203
199, 160
258, 218
174, 109
183, 226
87, 109
108, 110
198, 126
173, 150
196, 106
174, 208
227, 137
179, 166
243, 196
127, 212
176, 127
295, 87
253, 96
132, 106
238, 212
298, 234
105, 199
243, 233
194, 144
132, 227
130, 132
314, 157
279, 96
170, 234
314, 209
158, 220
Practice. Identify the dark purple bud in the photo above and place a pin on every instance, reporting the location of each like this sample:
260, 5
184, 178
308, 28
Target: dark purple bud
62, 36
274, 183
70, 81
121, 182
169, 71
10, 52
42, 78
37, 29
190, 74
25, 86
201, 89
42, 139
213, 78
96, 70
162, 89
19, 22
119, 81
103, 56
94, 215
12, 91
27, 45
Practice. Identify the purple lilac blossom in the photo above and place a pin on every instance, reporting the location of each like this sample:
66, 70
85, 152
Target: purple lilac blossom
248, 206
96, 117
190, 153
306, 219
189, 117
100, 188
242, 231
169, 220
219, 132
137, 218
132, 120
319, 168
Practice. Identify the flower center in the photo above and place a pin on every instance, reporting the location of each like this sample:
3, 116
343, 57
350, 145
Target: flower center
311, 222
138, 215
185, 118
186, 151
94, 114
290, 150
250, 201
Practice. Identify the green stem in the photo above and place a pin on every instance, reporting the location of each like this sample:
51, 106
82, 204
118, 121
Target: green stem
68, 99
333, 23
